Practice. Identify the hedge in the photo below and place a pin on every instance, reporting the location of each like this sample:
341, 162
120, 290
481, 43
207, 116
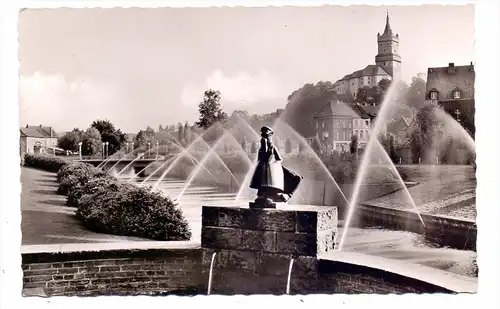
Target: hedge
132, 211
44, 162
105, 205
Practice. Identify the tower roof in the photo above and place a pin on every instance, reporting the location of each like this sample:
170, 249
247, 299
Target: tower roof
388, 33
387, 30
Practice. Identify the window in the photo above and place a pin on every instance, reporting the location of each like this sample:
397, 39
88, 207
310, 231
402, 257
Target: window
344, 123
317, 125
338, 135
433, 95
338, 123
456, 94
343, 135
367, 122
350, 125
322, 124
361, 134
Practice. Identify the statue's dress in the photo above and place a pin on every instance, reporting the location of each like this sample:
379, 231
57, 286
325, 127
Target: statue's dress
269, 171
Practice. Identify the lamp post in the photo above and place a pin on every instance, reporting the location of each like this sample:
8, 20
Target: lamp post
149, 147
80, 149
157, 148
107, 149
103, 150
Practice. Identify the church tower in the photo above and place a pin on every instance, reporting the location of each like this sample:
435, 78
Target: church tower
388, 51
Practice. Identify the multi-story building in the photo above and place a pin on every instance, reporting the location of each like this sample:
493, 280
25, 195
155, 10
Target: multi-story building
37, 139
387, 65
337, 123
452, 88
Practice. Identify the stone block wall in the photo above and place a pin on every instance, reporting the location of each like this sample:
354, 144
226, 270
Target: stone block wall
441, 230
116, 272
254, 248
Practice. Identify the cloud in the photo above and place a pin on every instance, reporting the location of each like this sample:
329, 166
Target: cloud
53, 100
242, 89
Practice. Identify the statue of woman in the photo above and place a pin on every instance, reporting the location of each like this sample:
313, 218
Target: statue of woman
273, 182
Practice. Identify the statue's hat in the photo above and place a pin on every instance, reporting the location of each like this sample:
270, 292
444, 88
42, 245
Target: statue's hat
266, 129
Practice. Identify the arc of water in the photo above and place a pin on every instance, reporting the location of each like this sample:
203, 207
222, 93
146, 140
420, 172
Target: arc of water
289, 279
379, 121
105, 161
395, 172
210, 273
187, 149
203, 161
135, 159
183, 151
119, 160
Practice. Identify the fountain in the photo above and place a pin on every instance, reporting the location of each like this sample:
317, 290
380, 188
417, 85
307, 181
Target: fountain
212, 151
289, 278
210, 273
365, 160
135, 159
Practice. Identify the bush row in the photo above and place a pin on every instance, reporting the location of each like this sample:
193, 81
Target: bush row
44, 162
108, 206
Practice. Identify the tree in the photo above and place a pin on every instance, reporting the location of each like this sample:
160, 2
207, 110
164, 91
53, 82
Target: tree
316, 146
384, 84
354, 144
187, 134
115, 138
91, 142
288, 146
180, 131
253, 147
415, 96
69, 141
305, 102
210, 110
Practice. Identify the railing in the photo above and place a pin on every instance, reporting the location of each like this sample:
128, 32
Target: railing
127, 157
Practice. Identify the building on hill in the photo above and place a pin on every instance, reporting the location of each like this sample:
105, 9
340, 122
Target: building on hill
387, 65
338, 122
37, 139
452, 88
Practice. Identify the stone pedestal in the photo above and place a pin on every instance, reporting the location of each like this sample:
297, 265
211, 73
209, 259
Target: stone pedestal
254, 247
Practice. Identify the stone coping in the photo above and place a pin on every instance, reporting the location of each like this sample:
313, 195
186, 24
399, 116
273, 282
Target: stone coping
437, 217
109, 246
450, 281
279, 206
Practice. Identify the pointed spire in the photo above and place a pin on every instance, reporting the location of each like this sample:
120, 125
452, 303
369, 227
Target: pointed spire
387, 30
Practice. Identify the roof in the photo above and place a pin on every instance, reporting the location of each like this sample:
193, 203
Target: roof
369, 70
449, 78
365, 111
38, 132
336, 109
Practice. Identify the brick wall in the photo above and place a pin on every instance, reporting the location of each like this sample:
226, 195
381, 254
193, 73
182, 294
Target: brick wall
340, 277
159, 271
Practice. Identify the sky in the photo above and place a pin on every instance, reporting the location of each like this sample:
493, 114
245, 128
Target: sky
145, 67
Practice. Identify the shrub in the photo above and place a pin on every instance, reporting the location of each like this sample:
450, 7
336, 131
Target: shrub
43, 162
99, 182
76, 174
132, 211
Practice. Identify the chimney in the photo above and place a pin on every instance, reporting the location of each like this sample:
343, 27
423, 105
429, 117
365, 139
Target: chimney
471, 67
40, 126
451, 68
27, 126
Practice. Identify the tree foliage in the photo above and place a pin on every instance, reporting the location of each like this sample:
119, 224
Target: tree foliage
354, 144
210, 109
115, 137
